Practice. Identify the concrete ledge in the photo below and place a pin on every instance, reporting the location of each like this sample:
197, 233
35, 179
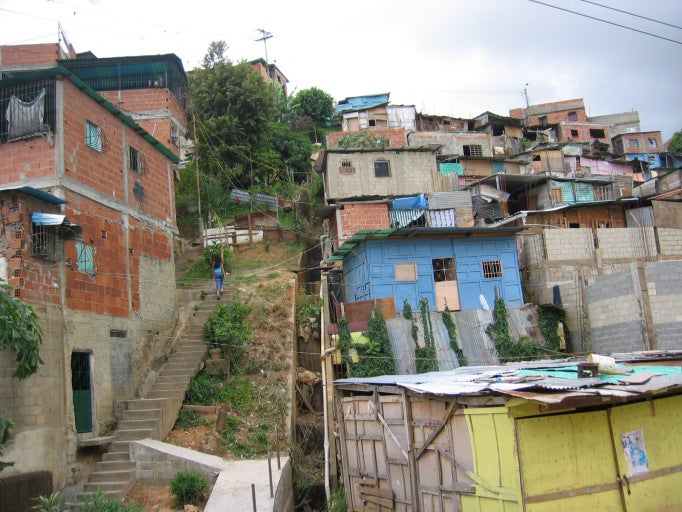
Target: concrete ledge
157, 462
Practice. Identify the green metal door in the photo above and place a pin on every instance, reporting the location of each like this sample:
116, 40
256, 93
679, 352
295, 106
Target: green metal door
82, 393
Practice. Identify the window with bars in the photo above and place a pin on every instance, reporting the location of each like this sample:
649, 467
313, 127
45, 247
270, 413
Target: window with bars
136, 162
86, 258
46, 243
93, 136
473, 150
492, 269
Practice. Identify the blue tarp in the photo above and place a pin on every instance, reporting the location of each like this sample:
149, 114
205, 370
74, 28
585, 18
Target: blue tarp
410, 203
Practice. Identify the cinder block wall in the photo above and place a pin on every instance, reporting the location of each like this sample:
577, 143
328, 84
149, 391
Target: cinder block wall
664, 283
622, 243
615, 316
569, 244
670, 242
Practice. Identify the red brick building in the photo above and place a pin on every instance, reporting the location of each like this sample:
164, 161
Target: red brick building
88, 223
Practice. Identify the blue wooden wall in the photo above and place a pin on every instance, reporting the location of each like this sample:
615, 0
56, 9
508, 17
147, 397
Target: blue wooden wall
369, 270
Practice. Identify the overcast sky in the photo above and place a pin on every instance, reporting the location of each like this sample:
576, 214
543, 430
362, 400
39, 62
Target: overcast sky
456, 57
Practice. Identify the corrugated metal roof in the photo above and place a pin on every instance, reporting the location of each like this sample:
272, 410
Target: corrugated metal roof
37, 193
537, 381
447, 200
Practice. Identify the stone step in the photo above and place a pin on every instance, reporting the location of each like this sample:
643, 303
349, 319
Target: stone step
115, 476
147, 423
117, 456
142, 414
146, 404
109, 489
133, 434
169, 394
169, 386
114, 465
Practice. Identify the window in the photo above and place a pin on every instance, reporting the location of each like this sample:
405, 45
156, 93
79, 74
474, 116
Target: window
653, 143
382, 169
574, 134
542, 121
405, 271
346, 167
93, 136
46, 243
443, 269
492, 269
473, 150
572, 116
136, 161
633, 144
597, 133
557, 195
86, 258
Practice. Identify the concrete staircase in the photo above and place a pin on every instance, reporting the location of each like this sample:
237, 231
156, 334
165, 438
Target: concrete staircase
154, 415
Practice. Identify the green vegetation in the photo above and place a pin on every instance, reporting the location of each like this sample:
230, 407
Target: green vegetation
375, 357
186, 419
426, 356
188, 487
452, 333
549, 319
337, 500
227, 329
51, 503
675, 145
363, 139
507, 348
98, 503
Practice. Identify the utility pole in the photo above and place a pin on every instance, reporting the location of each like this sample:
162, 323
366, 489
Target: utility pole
196, 168
265, 35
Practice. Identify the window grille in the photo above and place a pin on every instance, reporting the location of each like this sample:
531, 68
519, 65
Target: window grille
86, 258
45, 243
443, 269
136, 161
492, 269
405, 271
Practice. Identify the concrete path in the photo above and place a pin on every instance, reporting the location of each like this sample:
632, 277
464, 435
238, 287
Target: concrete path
232, 490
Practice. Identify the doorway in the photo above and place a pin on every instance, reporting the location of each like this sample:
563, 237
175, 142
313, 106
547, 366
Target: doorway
82, 391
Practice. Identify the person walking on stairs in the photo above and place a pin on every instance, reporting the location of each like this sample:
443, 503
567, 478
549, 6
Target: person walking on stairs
219, 274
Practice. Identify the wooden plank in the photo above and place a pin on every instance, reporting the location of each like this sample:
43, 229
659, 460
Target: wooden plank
382, 502
448, 414
375, 491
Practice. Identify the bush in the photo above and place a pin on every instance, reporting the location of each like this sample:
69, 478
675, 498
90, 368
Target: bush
188, 488
228, 329
186, 419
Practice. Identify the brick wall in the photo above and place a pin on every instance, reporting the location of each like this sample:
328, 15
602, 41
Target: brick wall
26, 160
355, 217
29, 54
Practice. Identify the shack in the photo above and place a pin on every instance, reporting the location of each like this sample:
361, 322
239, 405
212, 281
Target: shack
534, 437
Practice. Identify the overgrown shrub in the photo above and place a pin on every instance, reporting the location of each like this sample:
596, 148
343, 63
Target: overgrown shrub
375, 356
228, 329
509, 349
50, 503
426, 356
188, 488
452, 334
186, 419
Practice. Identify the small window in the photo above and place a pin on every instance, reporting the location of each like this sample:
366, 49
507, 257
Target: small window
542, 121
572, 116
473, 150
136, 161
86, 258
492, 269
597, 133
443, 269
574, 134
372, 122
382, 169
93, 136
45, 242
346, 167
653, 143
633, 144
405, 271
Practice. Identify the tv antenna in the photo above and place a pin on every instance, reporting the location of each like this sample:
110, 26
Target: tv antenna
265, 35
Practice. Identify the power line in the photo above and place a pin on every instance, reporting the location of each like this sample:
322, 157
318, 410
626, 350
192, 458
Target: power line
605, 21
631, 14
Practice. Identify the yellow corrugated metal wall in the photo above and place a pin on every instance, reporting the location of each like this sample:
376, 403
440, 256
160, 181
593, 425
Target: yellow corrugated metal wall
495, 463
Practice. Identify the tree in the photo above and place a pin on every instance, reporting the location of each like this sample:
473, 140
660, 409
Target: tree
675, 144
234, 108
316, 104
19, 331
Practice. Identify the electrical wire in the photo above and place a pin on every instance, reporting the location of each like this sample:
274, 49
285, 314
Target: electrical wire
631, 14
606, 21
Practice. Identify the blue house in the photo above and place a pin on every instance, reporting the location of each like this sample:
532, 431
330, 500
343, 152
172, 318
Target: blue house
457, 268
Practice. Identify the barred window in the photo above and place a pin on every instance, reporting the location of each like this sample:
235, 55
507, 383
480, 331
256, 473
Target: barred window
405, 271
136, 162
93, 136
443, 269
45, 242
492, 269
